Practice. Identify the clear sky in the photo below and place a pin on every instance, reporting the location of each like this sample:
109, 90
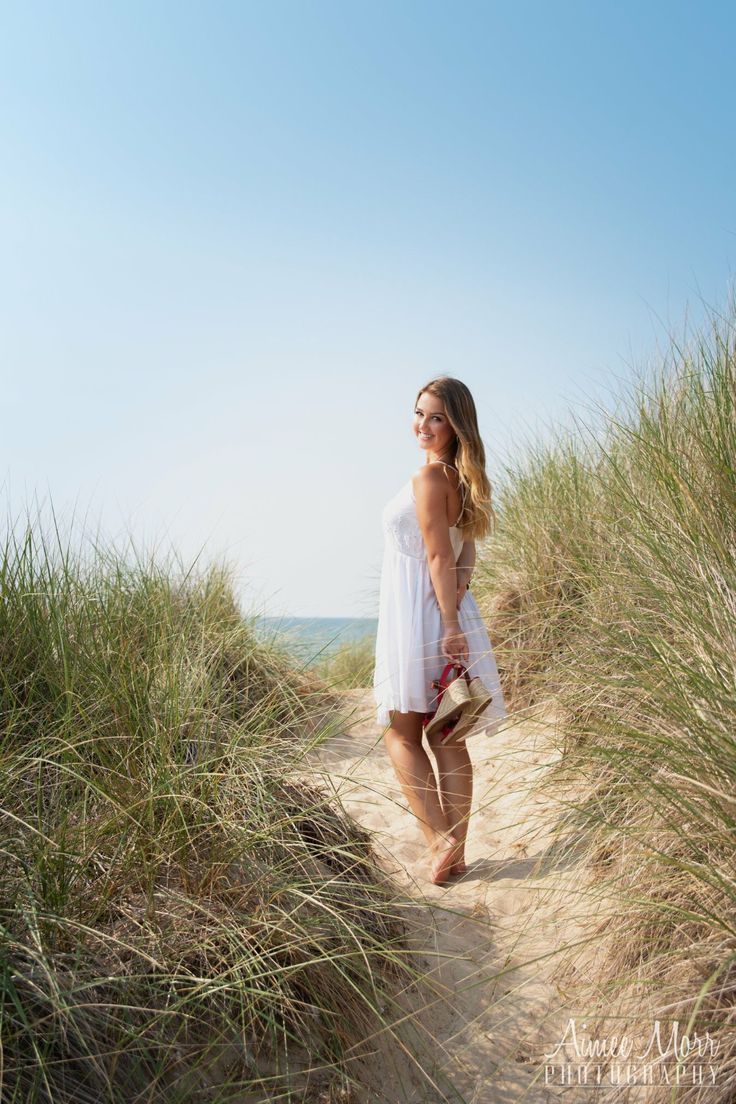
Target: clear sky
236, 238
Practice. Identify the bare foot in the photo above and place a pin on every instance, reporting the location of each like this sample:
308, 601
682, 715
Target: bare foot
458, 860
442, 860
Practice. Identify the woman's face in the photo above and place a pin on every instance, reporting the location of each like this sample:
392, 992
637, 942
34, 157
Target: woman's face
431, 425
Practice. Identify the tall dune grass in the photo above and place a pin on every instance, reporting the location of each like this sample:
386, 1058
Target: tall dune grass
611, 588
180, 919
349, 666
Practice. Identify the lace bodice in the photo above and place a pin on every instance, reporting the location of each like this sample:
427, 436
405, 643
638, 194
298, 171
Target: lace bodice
401, 526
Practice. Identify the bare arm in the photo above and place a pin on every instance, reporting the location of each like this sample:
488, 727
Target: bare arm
430, 494
465, 563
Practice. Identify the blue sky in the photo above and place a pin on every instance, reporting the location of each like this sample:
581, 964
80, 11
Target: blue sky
237, 237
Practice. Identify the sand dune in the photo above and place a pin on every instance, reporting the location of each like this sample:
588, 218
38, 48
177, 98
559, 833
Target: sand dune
495, 1014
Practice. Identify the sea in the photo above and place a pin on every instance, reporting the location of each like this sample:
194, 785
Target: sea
310, 639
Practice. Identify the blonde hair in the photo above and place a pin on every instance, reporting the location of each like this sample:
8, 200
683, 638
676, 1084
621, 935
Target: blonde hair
478, 518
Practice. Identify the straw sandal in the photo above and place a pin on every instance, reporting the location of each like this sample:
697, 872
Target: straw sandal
461, 702
480, 698
453, 699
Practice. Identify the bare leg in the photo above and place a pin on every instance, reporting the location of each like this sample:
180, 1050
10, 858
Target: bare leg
455, 773
414, 771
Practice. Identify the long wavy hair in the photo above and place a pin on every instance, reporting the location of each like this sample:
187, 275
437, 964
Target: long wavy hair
478, 518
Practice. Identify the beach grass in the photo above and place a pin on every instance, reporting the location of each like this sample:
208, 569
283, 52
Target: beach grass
350, 665
609, 589
183, 916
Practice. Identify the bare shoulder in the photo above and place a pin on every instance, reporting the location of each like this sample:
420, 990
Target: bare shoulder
428, 474
429, 481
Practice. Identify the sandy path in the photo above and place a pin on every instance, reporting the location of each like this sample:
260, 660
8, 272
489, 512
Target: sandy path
496, 1014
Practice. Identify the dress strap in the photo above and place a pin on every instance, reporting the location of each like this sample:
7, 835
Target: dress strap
462, 504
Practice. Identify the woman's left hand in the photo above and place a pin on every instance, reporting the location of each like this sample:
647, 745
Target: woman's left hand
455, 645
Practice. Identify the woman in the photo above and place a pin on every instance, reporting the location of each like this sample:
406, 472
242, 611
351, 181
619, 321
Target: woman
427, 615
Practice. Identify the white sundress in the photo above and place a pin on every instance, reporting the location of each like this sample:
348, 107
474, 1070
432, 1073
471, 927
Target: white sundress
409, 634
